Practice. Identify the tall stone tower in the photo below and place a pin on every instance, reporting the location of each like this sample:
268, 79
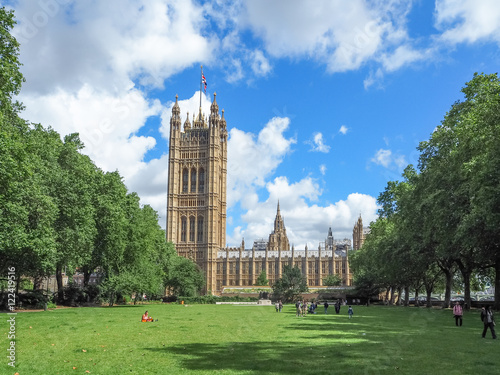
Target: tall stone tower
358, 234
196, 202
278, 240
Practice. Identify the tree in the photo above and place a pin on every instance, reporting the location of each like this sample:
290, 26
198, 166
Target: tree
366, 286
332, 280
262, 279
463, 159
75, 227
11, 77
291, 284
184, 277
26, 210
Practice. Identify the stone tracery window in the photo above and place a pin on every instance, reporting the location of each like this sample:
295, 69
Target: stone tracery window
185, 180
183, 229
191, 229
201, 181
193, 180
200, 229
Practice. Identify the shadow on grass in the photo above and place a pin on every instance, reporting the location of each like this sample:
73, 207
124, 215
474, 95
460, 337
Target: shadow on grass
277, 357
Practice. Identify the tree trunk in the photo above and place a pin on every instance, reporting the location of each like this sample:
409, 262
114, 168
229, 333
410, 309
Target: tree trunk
429, 302
59, 280
447, 291
407, 296
466, 273
497, 284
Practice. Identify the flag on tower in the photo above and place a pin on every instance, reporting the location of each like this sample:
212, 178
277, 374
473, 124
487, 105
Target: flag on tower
204, 82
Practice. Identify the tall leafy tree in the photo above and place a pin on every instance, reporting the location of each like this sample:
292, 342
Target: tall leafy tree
184, 277
26, 211
291, 284
262, 279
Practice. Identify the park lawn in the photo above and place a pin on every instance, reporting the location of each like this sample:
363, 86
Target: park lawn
229, 339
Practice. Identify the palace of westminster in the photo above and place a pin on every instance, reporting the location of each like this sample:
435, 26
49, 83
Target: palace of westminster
196, 215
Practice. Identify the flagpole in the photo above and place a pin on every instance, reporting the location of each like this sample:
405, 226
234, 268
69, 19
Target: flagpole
201, 83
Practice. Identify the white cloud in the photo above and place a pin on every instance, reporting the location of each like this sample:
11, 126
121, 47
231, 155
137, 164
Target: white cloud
305, 223
387, 159
260, 64
108, 44
401, 56
251, 160
375, 77
106, 123
468, 20
382, 157
318, 144
322, 169
343, 129
343, 35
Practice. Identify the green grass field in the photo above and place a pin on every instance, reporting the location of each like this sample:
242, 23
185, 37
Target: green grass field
228, 339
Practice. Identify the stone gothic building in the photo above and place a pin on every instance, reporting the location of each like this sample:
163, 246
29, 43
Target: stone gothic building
359, 234
196, 214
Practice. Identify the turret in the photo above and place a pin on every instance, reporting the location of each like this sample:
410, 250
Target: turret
175, 120
187, 124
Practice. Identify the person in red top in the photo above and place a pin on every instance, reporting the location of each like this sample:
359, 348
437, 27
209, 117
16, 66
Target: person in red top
458, 313
146, 318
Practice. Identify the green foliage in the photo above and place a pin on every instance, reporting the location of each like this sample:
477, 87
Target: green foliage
332, 280
11, 78
262, 279
444, 219
184, 277
291, 284
59, 212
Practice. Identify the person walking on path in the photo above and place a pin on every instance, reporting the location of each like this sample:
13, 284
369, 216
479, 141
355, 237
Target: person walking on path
326, 307
488, 321
458, 313
350, 312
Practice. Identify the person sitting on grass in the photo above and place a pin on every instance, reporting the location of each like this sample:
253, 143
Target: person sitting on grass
146, 317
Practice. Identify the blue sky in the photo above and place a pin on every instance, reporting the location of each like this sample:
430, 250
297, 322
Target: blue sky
325, 101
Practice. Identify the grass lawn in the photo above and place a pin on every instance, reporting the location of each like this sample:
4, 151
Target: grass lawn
229, 339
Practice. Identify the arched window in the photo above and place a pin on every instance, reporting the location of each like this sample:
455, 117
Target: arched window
201, 181
185, 180
191, 229
183, 229
200, 229
193, 180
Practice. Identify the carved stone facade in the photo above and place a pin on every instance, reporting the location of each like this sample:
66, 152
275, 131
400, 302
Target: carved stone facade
239, 267
196, 215
359, 234
196, 201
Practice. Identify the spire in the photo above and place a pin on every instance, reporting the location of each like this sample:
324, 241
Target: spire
214, 108
222, 121
176, 111
187, 124
175, 119
278, 221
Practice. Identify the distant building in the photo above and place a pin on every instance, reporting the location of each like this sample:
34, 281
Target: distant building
359, 234
196, 215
